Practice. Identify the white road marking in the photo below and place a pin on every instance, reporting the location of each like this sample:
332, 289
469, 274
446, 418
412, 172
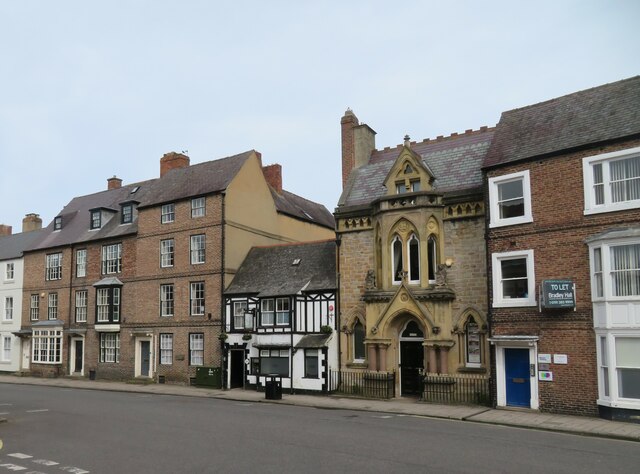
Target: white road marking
384, 417
74, 470
4, 413
45, 462
13, 467
20, 455
6, 404
38, 411
244, 404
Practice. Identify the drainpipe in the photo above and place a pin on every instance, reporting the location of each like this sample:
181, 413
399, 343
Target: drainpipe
223, 365
338, 311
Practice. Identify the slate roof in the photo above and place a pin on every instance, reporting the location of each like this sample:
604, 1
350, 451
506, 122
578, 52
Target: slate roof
455, 161
76, 215
301, 208
198, 179
269, 271
587, 117
13, 246
180, 183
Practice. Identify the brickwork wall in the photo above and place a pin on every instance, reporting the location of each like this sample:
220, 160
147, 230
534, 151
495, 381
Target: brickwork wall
557, 236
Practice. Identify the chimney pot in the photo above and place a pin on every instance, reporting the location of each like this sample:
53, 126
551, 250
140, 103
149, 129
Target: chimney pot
5, 230
407, 140
171, 161
114, 182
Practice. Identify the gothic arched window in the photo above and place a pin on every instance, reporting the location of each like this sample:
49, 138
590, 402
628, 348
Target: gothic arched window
396, 251
414, 259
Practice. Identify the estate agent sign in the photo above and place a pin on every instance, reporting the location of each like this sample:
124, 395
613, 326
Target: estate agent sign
558, 294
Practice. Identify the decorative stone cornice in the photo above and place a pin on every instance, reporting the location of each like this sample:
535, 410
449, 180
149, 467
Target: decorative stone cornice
420, 294
463, 210
350, 224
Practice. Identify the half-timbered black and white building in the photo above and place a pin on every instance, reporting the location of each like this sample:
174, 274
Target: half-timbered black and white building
280, 317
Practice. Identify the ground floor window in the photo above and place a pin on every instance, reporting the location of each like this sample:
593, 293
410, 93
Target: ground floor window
311, 363
6, 348
196, 349
473, 344
628, 366
166, 349
358, 342
47, 346
274, 361
110, 347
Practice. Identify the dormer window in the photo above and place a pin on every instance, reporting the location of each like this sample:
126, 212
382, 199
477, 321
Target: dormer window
127, 214
415, 186
96, 219
401, 188
57, 223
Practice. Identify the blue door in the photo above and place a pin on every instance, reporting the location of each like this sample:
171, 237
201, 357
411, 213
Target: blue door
518, 383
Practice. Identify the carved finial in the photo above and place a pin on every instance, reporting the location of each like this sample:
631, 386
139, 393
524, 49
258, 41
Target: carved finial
441, 275
407, 139
370, 281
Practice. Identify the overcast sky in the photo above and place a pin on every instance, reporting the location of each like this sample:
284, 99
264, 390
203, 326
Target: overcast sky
92, 89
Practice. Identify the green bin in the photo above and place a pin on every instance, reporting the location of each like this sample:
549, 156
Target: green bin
209, 377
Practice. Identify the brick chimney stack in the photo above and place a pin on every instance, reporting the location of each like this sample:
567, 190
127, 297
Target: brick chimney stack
114, 183
171, 161
31, 222
273, 175
358, 141
5, 230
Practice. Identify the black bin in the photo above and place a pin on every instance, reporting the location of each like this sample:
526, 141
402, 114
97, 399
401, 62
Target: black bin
92, 375
273, 387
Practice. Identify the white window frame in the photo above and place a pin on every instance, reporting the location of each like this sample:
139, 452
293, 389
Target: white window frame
6, 348
82, 297
81, 263
8, 308
34, 307
494, 208
46, 346
168, 213
111, 259
605, 247
197, 309
198, 248
52, 306
239, 310
267, 312
167, 253
498, 300
196, 349
53, 266
198, 208
10, 271
283, 311
590, 206
166, 349
167, 305
109, 347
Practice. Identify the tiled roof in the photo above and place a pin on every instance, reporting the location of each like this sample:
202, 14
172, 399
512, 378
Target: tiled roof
603, 113
301, 208
194, 180
12, 246
455, 161
270, 271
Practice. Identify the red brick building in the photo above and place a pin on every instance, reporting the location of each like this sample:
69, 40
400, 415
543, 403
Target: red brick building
128, 282
563, 202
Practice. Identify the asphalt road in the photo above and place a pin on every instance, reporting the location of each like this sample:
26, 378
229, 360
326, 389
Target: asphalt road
56, 430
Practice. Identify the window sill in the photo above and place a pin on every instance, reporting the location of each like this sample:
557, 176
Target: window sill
515, 303
357, 365
612, 208
472, 370
509, 222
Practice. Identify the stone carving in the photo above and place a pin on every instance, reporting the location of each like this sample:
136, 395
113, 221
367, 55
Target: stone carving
441, 275
370, 280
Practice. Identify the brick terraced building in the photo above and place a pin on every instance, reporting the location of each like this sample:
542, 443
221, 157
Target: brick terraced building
563, 194
128, 282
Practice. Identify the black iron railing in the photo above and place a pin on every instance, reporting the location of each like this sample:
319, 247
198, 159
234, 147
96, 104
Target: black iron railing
463, 389
363, 384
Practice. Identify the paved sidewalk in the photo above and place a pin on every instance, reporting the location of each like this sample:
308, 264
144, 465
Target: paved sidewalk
518, 418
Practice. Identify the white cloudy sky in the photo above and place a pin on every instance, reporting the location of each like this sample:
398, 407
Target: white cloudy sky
89, 89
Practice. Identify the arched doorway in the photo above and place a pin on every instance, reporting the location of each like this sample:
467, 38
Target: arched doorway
411, 359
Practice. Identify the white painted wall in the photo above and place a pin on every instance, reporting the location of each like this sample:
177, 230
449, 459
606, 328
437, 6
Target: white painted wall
11, 288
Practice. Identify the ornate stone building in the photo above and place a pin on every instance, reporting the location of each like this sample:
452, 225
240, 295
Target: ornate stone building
410, 225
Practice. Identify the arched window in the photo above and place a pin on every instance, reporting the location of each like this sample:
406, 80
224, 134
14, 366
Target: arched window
432, 256
414, 259
472, 336
396, 250
358, 342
